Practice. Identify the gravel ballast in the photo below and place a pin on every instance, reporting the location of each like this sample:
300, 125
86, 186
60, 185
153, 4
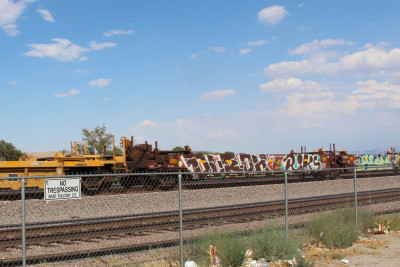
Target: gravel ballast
37, 210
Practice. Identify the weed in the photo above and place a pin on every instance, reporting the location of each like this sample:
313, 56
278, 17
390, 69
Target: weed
271, 243
302, 262
337, 256
394, 222
231, 249
366, 220
338, 229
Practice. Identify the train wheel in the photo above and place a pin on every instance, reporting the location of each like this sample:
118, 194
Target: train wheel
319, 175
149, 182
106, 186
126, 182
91, 185
333, 175
130, 181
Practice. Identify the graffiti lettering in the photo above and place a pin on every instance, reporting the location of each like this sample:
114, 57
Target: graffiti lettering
301, 161
374, 162
229, 163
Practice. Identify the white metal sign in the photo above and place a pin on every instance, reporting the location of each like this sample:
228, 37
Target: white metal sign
62, 188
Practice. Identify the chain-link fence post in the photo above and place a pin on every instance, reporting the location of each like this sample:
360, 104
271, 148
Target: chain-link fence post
180, 218
355, 194
23, 221
286, 207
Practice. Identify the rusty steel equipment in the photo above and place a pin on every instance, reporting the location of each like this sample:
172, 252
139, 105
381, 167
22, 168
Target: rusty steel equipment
134, 159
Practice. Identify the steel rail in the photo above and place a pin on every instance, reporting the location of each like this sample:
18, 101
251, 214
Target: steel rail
85, 229
195, 218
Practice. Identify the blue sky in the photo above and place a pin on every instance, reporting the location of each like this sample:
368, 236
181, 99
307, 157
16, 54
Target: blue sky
219, 75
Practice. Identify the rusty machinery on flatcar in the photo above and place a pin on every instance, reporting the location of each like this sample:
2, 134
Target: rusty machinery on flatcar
141, 158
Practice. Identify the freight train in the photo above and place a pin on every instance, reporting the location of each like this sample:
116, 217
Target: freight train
137, 159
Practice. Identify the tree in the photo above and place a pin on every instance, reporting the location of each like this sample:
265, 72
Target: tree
178, 149
9, 152
97, 139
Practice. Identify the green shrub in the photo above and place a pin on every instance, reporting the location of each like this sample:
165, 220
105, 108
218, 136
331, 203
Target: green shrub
231, 249
366, 220
338, 229
271, 243
337, 256
394, 222
302, 262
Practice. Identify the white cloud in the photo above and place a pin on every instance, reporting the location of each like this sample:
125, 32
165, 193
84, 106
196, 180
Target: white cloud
99, 46
193, 56
10, 11
302, 28
220, 133
46, 15
257, 43
64, 50
83, 58
219, 94
245, 51
179, 122
289, 85
373, 92
317, 46
311, 105
315, 111
370, 61
100, 82
173, 131
164, 124
218, 49
82, 72
147, 123
118, 32
14, 83
71, 92
272, 15
11, 29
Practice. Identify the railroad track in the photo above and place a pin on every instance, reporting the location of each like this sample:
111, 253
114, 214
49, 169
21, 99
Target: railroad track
68, 232
214, 182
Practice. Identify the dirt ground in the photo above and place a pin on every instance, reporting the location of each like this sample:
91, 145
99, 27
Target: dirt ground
373, 250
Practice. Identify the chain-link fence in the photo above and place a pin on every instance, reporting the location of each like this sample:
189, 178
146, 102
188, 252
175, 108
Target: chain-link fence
153, 217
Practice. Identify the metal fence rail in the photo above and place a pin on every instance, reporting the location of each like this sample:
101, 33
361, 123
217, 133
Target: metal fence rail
140, 212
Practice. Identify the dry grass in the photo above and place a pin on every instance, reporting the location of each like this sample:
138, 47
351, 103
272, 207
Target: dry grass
314, 251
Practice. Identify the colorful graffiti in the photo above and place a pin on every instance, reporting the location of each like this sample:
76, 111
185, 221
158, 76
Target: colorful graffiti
301, 161
397, 160
374, 162
229, 163
250, 162
279, 162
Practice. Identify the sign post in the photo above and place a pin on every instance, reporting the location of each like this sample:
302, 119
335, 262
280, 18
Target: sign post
62, 189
